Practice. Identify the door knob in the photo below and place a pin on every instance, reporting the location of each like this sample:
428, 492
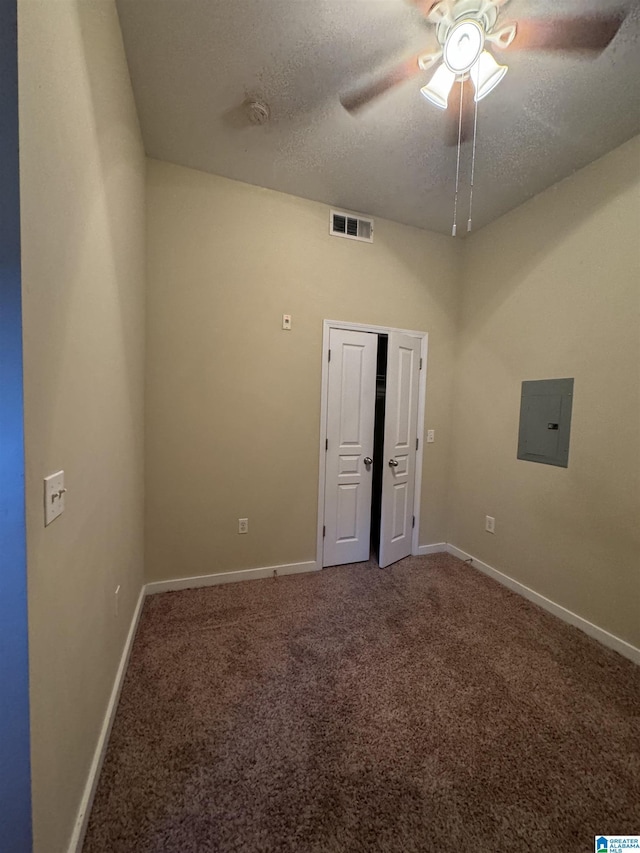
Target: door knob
368, 460
393, 463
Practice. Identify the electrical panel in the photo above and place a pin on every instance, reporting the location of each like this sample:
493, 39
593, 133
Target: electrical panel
545, 421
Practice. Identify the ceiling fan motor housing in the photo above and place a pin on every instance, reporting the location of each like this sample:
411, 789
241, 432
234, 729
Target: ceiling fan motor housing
484, 12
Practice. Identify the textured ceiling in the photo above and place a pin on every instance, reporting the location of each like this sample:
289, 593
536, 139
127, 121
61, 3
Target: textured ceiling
193, 63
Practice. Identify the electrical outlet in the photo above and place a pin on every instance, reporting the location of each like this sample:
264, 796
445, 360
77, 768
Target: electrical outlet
431, 436
243, 525
116, 601
490, 524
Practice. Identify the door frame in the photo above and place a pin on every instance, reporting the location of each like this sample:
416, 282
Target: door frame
327, 325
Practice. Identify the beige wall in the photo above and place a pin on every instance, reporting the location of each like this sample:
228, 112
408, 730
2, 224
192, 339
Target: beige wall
233, 402
82, 184
552, 290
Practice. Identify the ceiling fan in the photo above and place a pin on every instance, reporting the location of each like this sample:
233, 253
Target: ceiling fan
468, 31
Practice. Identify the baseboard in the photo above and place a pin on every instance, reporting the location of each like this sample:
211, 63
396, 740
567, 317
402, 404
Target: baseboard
437, 548
80, 828
604, 637
230, 577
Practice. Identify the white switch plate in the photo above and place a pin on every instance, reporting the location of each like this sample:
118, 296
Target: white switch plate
286, 322
490, 524
243, 525
431, 436
53, 496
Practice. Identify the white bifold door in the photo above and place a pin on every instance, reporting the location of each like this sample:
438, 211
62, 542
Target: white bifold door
351, 405
399, 456
350, 445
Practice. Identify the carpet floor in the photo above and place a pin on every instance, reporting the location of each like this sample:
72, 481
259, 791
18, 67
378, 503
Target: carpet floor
422, 707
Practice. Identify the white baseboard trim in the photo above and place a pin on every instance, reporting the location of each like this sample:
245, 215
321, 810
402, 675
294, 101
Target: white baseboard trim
437, 548
80, 828
230, 577
604, 637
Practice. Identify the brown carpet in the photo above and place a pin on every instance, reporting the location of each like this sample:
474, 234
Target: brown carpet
417, 708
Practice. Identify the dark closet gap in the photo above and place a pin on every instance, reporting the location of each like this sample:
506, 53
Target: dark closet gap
378, 444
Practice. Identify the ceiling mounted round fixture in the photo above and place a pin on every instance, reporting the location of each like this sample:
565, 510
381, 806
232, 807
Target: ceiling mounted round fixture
464, 44
257, 112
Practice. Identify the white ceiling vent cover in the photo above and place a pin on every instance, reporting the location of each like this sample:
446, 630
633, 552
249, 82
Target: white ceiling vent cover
350, 225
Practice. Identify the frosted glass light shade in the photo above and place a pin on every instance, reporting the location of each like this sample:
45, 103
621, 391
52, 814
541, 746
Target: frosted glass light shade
463, 46
438, 88
486, 74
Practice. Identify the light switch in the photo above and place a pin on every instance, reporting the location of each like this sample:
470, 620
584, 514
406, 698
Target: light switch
54, 491
286, 322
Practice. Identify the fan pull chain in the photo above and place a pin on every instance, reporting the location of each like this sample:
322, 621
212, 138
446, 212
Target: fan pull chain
473, 163
455, 202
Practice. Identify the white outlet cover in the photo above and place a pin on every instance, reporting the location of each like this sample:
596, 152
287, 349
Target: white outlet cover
54, 492
286, 322
431, 436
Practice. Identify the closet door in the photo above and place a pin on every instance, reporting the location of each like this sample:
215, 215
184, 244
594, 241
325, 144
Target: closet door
399, 462
349, 453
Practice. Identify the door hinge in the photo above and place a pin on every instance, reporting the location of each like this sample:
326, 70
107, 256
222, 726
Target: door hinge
329, 359
413, 523
420, 364
417, 443
326, 444
324, 532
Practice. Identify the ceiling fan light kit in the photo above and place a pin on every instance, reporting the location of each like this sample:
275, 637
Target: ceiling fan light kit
464, 30
486, 74
438, 88
463, 46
